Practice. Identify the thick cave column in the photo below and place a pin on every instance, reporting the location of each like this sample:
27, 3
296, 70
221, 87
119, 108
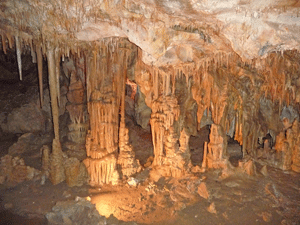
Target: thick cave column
78, 113
170, 141
102, 142
106, 77
103, 108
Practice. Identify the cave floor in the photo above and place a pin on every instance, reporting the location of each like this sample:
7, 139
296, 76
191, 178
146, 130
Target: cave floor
272, 199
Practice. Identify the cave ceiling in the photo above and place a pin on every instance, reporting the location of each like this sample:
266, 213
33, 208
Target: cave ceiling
169, 32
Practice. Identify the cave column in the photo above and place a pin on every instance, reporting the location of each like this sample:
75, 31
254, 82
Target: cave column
127, 163
57, 173
53, 90
170, 159
77, 110
103, 102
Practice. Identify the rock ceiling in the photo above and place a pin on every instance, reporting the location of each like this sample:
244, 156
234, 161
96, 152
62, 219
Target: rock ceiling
167, 31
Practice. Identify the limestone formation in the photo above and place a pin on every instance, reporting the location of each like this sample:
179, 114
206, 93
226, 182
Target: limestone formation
75, 171
192, 63
57, 160
45, 150
170, 158
287, 147
105, 94
77, 111
216, 148
202, 190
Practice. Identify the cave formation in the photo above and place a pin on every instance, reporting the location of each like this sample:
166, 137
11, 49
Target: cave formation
227, 68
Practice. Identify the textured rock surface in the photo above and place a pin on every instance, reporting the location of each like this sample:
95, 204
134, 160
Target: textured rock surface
28, 118
13, 170
75, 212
250, 28
75, 171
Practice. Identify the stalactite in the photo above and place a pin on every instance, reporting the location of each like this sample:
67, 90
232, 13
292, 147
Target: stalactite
204, 161
33, 54
53, 91
3, 38
57, 73
10, 40
40, 72
19, 59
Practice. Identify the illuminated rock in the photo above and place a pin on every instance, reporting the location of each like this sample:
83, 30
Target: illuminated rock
216, 148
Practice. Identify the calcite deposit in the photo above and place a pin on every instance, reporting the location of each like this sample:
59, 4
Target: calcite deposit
232, 65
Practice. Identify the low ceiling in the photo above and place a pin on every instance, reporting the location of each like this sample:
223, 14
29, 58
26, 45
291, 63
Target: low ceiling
169, 32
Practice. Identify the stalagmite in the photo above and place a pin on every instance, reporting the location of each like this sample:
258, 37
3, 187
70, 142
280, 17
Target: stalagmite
216, 147
19, 59
76, 174
57, 161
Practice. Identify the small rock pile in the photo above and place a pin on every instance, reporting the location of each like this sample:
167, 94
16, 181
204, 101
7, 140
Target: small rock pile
13, 171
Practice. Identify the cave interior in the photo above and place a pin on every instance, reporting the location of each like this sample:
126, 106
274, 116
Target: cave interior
150, 112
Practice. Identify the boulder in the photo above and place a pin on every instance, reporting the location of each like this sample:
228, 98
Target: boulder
75, 212
28, 118
202, 190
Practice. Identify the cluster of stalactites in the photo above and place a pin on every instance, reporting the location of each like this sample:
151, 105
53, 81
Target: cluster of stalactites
103, 129
282, 78
20, 41
229, 90
40, 49
102, 171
